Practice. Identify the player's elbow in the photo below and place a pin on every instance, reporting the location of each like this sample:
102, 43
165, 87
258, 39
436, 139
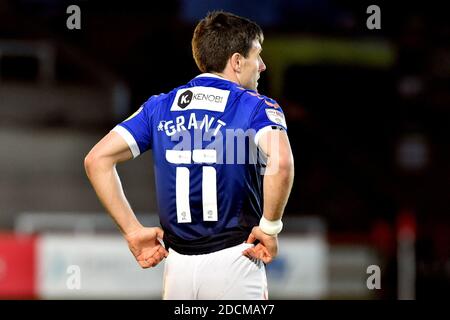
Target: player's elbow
286, 166
89, 162
92, 161
281, 165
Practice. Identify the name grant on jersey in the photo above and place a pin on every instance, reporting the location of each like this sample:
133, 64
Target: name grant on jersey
171, 127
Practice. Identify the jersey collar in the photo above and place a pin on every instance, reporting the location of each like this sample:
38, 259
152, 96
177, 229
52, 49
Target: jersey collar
210, 75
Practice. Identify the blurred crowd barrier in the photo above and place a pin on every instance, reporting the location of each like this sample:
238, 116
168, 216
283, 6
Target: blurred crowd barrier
50, 257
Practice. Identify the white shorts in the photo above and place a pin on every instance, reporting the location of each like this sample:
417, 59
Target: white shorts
222, 275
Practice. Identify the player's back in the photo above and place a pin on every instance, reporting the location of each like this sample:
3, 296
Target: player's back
208, 180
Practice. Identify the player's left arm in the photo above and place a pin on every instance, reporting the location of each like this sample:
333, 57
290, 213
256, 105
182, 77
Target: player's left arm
279, 174
278, 180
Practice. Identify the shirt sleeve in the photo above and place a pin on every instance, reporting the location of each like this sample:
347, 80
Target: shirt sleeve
136, 129
268, 116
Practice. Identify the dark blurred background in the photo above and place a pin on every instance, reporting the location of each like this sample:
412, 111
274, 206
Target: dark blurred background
368, 112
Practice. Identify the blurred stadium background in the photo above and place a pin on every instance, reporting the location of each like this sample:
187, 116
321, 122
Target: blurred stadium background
369, 121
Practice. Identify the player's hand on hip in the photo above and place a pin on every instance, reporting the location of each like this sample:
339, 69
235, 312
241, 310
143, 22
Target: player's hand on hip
267, 248
146, 247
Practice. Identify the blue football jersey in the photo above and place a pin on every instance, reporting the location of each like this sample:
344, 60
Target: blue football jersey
208, 171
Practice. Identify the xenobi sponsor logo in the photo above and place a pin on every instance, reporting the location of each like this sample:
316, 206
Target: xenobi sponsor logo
185, 98
206, 98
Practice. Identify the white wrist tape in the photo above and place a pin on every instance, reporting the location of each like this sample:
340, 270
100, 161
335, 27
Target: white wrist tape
271, 228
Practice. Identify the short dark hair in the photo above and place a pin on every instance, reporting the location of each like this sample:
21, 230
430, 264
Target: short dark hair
218, 36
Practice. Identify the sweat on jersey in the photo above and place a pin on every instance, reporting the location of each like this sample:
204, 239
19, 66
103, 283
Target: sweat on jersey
208, 179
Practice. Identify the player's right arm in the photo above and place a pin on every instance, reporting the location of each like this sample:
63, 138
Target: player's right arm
100, 165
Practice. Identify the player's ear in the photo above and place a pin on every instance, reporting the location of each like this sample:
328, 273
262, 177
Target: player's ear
236, 62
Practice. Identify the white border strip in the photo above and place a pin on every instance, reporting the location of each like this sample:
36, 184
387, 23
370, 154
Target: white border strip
210, 75
129, 139
264, 129
209, 193
182, 195
178, 156
204, 155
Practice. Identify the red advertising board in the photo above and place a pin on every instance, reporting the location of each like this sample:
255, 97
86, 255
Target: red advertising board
17, 266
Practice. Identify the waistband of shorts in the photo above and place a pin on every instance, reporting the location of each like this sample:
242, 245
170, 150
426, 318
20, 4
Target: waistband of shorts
205, 245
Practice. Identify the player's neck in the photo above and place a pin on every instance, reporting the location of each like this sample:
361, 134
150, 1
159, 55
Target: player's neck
226, 74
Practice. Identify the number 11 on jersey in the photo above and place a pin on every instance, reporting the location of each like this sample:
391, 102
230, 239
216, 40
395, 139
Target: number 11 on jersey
209, 183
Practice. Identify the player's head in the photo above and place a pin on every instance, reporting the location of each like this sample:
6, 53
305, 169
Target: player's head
223, 40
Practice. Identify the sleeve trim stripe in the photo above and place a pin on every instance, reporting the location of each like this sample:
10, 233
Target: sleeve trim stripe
264, 129
129, 139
